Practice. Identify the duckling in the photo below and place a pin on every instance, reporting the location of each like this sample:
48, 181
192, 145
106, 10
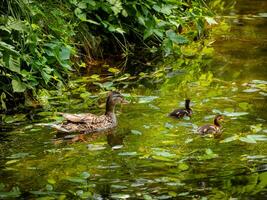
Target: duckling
88, 123
214, 128
180, 113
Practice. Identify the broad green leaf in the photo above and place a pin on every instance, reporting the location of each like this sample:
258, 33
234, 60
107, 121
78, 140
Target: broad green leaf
82, 5
176, 38
14, 64
79, 13
7, 47
18, 86
64, 53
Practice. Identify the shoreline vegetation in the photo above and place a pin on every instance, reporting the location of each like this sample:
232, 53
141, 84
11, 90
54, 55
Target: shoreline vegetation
106, 43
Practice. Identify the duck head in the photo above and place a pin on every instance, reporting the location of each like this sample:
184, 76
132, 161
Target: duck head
113, 99
218, 119
187, 103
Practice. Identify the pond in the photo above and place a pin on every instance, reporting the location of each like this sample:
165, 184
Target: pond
152, 156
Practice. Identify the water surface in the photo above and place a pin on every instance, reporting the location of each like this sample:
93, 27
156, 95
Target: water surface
151, 156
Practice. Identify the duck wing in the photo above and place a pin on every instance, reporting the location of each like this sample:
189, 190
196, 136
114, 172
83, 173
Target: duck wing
208, 128
179, 113
80, 118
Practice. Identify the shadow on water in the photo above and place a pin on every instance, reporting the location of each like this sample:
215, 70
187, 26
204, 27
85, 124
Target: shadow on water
151, 156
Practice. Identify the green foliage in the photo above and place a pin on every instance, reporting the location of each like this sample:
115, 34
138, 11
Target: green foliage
41, 42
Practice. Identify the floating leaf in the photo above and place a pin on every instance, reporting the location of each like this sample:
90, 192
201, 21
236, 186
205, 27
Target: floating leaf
229, 139
256, 128
15, 192
127, 153
11, 162
251, 90
95, 147
136, 132
168, 125
18, 155
120, 196
234, 114
85, 175
258, 137
147, 99
76, 179
189, 140
247, 140
183, 166
161, 158
244, 105
117, 147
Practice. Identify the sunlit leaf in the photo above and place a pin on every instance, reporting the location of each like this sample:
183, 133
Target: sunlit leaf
251, 90
11, 162
256, 128
247, 140
136, 132
258, 137
229, 139
168, 125
18, 86
210, 20
127, 153
120, 196
147, 99
183, 166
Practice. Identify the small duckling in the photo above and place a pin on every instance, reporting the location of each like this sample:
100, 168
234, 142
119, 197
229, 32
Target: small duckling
180, 113
214, 128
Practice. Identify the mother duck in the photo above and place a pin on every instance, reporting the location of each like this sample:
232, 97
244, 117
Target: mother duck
88, 122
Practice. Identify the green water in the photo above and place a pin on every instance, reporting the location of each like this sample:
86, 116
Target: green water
151, 156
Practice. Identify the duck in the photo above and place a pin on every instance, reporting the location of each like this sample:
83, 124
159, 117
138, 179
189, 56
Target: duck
180, 113
88, 122
214, 128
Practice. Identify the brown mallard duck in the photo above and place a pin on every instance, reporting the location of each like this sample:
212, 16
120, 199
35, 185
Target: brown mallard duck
214, 128
180, 113
87, 122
